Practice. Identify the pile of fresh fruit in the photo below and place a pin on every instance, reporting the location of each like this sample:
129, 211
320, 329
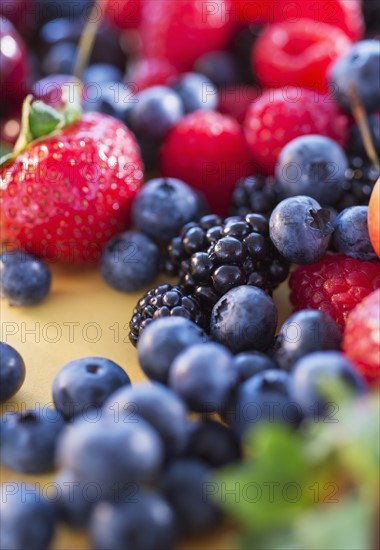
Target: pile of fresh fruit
232, 147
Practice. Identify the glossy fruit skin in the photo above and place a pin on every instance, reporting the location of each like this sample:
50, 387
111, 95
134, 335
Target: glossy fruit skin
90, 444
300, 229
203, 376
244, 319
249, 363
26, 519
163, 206
183, 485
197, 27
312, 165
156, 404
13, 63
75, 500
264, 397
335, 285
68, 204
12, 371
280, 115
361, 342
374, 218
304, 332
124, 14
24, 279
146, 521
213, 443
29, 440
359, 67
86, 383
297, 53
208, 151
307, 378
162, 341
129, 261
196, 92
351, 236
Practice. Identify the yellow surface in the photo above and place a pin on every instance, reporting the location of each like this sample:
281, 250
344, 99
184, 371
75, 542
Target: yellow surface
81, 317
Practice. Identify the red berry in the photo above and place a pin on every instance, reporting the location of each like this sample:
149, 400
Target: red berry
182, 31
207, 150
13, 66
283, 114
148, 72
69, 192
335, 285
297, 53
361, 338
235, 100
124, 14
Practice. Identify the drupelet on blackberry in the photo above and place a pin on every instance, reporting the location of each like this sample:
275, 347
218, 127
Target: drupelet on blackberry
361, 177
215, 255
163, 301
254, 194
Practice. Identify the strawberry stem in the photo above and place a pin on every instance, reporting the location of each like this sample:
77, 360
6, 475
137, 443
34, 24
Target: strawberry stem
361, 120
87, 38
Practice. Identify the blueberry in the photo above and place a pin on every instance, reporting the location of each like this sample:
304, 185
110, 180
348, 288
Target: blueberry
312, 165
157, 109
203, 376
249, 363
196, 91
24, 279
265, 397
244, 319
213, 443
59, 59
313, 376
161, 342
101, 72
12, 371
145, 521
304, 332
220, 67
75, 500
86, 383
163, 206
358, 69
300, 229
110, 98
156, 404
356, 146
27, 521
29, 439
111, 454
351, 236
129, 261
184, 484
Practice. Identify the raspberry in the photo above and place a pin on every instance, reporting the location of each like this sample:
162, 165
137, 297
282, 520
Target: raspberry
148, 72
283, 114
361, 339
335, 285
297, 53
235, 100
208, 151
182, 31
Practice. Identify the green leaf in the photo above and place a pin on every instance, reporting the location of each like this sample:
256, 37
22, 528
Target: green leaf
43, 119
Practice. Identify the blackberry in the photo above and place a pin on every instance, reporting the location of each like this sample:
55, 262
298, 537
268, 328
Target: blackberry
163, 301
361, 177
254, 194
215, 255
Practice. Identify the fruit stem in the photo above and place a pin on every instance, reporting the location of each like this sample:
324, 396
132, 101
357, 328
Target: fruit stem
361, 120
87, 38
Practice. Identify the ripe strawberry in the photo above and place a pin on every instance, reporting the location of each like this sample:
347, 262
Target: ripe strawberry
335, 285
68, 192
297, 53
124, 14
180, 32
207, 150
361, 338
13, 64
280, 115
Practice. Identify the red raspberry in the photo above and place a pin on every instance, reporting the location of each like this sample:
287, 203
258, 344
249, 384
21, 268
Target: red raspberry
335, 285
124, 14
283, 114
208, 151
361, 339
235, 100
145, 73
182, 31
297, 53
